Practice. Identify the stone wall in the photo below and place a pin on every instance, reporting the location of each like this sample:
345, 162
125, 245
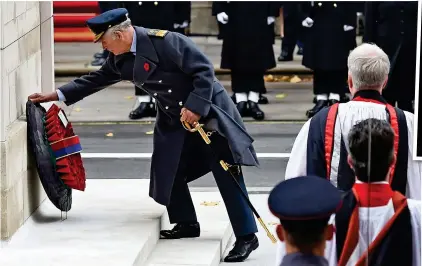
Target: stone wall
26, 66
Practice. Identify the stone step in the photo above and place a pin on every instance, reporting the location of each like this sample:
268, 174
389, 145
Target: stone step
209, 248
113, 223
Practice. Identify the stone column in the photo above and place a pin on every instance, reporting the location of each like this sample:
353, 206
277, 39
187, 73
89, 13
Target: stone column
26, 66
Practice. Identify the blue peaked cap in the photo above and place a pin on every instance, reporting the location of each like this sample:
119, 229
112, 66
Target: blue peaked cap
101, 23
304, 198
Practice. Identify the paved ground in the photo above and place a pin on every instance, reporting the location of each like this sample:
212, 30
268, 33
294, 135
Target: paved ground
288, 101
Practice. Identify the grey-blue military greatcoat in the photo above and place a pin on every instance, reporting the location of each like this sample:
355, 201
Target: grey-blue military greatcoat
170, 68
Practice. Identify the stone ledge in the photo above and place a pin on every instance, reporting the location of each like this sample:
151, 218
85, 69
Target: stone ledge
21, 190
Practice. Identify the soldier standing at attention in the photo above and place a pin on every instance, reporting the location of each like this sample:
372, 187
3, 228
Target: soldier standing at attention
329, 36
247, 30
392, 25
171, 69
164, 15
304, 206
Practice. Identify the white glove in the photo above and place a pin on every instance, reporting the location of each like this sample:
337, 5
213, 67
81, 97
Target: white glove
347, 28
308, 22
184, 24
175, 25
222, 17
270, 20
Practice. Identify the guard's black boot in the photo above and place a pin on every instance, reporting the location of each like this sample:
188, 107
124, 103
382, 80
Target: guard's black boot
255, 111
143, 110
284, 57
242, 107
332, 101
262, 99
344, 98
242, 249
300, 51
98, 61
182, 230
98, 55
318, 107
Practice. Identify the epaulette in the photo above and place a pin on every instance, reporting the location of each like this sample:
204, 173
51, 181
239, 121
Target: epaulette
158, 33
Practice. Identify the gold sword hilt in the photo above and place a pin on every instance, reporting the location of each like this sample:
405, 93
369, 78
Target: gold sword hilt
197, 127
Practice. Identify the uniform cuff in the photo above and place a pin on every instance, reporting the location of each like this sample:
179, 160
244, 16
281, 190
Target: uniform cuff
197, 104
61, 96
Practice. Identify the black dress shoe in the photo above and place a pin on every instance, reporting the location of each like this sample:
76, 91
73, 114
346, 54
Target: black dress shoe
98, 61
242, 249
262, 99
332, 101
284, 57
255, 111
344, 99
182, 230
242, 107
98, 55
143, 110
318, 107
300, 51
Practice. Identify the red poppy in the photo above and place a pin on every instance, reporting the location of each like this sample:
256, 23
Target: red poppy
146, 67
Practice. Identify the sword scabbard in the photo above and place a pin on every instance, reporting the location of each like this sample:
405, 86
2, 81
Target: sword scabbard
224, 165
272, 238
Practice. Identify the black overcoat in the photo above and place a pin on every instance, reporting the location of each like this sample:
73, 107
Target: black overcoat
177, 74
157, 14
393, 27
247, 37
326, 44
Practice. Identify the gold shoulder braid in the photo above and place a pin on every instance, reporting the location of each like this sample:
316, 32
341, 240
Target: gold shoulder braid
157, 33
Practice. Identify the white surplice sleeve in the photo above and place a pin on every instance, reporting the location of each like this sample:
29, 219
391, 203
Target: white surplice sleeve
415, 216
296, 166
414, 169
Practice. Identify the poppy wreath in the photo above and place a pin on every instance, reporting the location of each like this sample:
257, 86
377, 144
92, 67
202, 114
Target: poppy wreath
66, 148
58, 174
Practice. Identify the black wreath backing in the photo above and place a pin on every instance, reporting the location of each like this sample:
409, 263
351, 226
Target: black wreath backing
58, 192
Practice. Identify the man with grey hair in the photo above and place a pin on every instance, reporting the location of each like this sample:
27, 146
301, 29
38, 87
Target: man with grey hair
170, 68
321, 146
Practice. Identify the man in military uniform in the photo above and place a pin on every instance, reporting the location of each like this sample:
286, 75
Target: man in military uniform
247, 30
329, 36
170, 15
392, 25
171, 69
304, 206
292, 31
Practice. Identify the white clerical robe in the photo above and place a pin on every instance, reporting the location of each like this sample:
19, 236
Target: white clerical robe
371, 222
348, 115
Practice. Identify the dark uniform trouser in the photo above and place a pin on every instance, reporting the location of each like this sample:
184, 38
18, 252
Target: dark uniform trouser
326, 82
405, 94
181, 208
248, 81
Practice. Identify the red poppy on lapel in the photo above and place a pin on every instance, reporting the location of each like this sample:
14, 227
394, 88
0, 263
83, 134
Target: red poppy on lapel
146, 67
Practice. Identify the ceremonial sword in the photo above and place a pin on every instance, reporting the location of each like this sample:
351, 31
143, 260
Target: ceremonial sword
225, 166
